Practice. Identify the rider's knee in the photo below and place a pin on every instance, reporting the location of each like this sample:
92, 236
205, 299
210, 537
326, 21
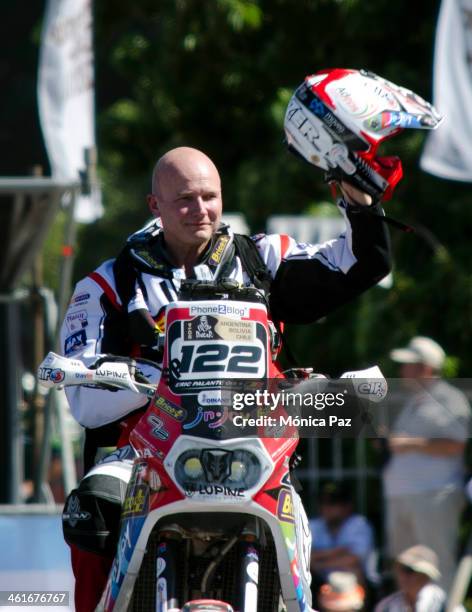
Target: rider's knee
91, 516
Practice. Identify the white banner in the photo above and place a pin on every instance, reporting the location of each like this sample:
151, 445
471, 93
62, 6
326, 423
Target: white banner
448, 150
66, 94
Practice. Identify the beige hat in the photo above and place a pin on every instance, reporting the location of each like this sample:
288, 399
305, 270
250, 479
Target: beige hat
421, 559
341, 593
420, 350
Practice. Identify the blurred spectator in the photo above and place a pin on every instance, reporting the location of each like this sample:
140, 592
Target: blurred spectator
416, 571
342, 593
423, 479
342, 540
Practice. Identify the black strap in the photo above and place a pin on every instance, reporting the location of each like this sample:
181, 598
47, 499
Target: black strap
259, 274
125, 276
126, 273
253, 263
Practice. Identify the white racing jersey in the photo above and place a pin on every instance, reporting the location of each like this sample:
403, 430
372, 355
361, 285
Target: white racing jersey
308, 282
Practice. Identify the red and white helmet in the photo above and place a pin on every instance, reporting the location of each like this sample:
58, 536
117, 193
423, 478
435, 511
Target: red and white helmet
337, 118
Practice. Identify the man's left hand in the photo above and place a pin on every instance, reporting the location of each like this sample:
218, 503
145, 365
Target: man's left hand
355, 196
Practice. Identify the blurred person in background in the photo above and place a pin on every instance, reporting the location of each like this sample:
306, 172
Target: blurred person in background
341, 593
416, 573
341, 540
423, 479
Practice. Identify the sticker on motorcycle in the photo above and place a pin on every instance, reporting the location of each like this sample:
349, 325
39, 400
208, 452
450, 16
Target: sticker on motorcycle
205, 352
136, 502
55, 374
243, 360
285, 507
206, 327
176, 412
215, 490
213, 418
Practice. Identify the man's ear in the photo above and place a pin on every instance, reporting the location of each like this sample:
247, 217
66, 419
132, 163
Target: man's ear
153, 205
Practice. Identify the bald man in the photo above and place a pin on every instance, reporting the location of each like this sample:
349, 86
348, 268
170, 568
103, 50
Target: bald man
117, 307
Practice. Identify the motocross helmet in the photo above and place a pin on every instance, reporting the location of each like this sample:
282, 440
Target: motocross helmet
337, 118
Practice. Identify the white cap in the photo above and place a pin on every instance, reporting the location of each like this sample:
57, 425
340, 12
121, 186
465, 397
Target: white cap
421, 559
420, 350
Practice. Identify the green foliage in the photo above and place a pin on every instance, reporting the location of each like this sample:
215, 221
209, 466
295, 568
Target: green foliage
52, 251
218, 75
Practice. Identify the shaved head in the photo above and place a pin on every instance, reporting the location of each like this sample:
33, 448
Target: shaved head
177, 162
186, 195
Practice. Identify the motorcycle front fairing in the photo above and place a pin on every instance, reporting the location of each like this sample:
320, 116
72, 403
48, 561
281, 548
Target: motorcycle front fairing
191, 459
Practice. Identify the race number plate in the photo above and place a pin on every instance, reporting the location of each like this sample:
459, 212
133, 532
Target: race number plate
209, 343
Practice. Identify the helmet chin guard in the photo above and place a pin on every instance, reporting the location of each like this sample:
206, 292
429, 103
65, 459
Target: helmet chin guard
337, 118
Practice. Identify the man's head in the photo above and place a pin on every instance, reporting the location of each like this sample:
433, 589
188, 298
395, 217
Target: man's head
335, 503
421, 358
414, 568
186, 195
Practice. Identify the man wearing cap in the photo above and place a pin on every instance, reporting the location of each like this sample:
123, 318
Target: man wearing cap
341, 540
416, 572
423, 480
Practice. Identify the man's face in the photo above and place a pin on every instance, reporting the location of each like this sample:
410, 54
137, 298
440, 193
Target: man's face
335, 512
188, 201
409, 582
412, 370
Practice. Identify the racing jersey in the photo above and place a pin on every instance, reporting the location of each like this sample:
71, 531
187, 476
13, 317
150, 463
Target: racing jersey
308, 282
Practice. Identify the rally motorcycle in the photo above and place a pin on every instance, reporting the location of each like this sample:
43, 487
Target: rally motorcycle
208, 521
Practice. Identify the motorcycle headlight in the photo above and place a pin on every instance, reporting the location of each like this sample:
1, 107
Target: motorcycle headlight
238, 471
245, 469
193, 467
188, 467
238, 468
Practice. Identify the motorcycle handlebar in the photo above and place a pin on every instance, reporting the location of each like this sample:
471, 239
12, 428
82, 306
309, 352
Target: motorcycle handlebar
108, 371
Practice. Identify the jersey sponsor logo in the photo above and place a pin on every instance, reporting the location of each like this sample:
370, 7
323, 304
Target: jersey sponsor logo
76, 320
258, 237
217, 254
81, 298
75, 342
